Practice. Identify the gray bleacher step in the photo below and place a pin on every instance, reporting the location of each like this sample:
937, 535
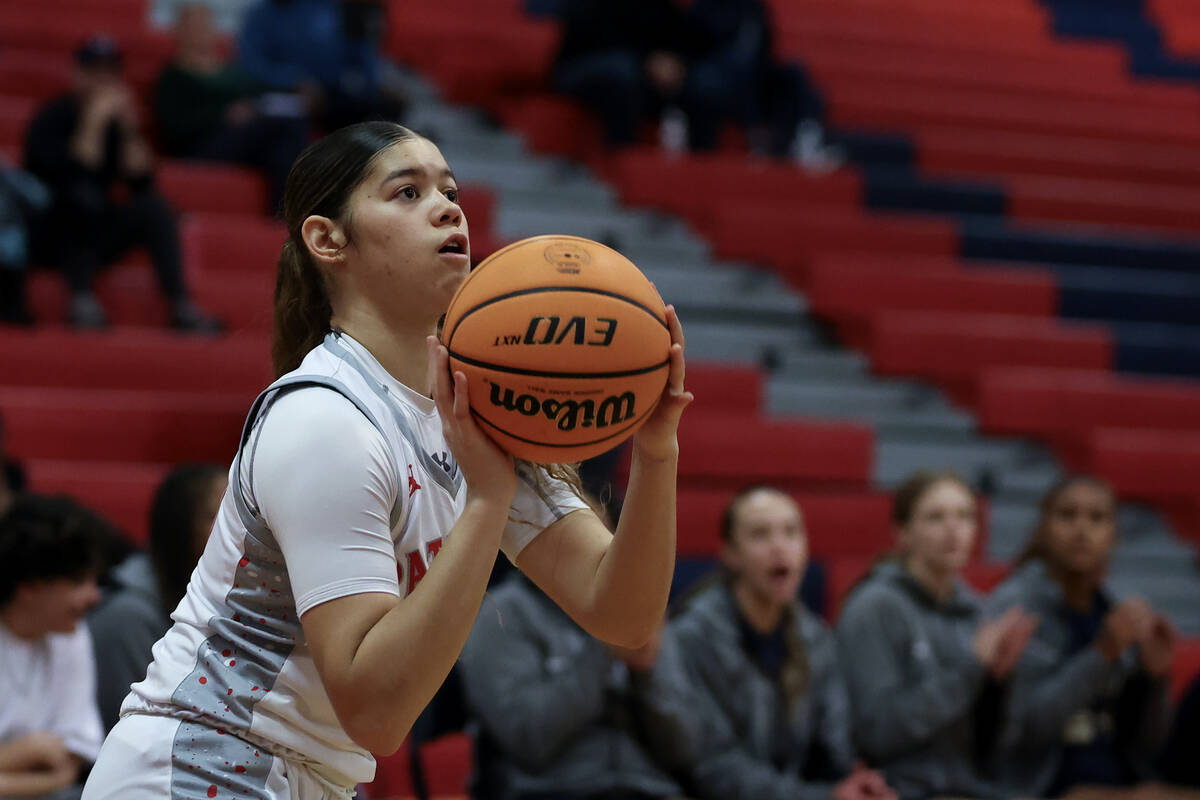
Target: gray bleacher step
823, 364
1027, 482
717, 294
977, 459
742, 343
578, 195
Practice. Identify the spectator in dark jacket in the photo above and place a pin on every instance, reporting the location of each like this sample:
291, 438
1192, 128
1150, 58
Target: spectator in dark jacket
562, 714
328, 52
624, 59
207, 108
921, 662
89, 149
1088, 699
769, 696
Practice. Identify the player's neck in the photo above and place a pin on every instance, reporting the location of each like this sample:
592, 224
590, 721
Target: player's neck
401, 351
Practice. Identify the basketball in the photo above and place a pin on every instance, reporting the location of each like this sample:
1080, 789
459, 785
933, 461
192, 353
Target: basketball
565, 346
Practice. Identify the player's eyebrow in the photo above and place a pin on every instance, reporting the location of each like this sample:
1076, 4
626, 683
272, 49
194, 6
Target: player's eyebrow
413, 172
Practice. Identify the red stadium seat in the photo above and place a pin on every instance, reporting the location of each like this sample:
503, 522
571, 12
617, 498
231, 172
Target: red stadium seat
213, 188
1186, 666
121, 425
119, 492
1146, 464
953, 348
730, 450
150, 360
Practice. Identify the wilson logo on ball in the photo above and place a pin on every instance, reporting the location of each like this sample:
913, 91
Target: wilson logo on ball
567, 414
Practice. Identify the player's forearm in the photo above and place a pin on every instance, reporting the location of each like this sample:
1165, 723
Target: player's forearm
633, 579
405, 657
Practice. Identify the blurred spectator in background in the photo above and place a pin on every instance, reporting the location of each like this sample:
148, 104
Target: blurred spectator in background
227, 14
561, 713
51, 551
1088, 699
208, 108
12, 475
1178, 763
733, 76
22, 198
327, 51
148, 586
89, 148
922, 665
626, 60
769, 694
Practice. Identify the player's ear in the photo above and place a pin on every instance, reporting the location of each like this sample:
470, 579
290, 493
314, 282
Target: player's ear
325, 238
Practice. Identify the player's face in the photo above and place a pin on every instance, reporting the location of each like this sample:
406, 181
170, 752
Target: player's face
768, 546
1082, 528
59, 604
408, 235
942, 529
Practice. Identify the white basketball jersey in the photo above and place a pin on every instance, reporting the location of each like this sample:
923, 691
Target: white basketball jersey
236, 658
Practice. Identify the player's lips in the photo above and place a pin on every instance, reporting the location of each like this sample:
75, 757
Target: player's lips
455, 244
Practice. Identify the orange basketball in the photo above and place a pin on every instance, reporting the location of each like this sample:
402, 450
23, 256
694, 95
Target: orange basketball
564, 344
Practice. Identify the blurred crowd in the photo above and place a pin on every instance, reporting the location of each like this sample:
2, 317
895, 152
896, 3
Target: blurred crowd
1053, 685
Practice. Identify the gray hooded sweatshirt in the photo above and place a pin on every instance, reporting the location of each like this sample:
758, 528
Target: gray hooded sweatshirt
752, 747
1052, 691
915, 683
563, 714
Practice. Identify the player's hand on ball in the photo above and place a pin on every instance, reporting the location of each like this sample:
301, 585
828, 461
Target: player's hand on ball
488, 470
658, 437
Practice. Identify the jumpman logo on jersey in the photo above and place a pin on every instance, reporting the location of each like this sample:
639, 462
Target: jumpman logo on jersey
413, 486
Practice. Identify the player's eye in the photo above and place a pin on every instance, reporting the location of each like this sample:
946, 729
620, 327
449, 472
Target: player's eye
408, 193
451, 195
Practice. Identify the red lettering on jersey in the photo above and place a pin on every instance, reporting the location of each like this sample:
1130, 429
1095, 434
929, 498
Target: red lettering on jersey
416, 564
413, 486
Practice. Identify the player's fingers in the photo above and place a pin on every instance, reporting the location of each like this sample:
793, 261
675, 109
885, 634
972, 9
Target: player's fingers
462, 405
675, 327
443, 393
676, 369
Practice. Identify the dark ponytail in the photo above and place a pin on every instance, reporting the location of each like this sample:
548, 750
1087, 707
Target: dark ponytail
320, 182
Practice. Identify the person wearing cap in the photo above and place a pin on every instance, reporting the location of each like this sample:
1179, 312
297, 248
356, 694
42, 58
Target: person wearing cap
88, 147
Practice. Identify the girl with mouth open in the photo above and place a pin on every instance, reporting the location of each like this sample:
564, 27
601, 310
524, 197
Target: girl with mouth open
764, 670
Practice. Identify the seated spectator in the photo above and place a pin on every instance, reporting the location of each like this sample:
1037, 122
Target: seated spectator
50, 554
207, 108
12, 475
22, 197
561, 713
148, 586
1178, 762
733, 76
623, 59
921, 663
1088, 699
763, 671
328, 52
89, 149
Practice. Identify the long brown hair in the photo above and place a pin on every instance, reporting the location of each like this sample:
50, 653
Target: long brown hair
320, 182
1036, 549
795, 672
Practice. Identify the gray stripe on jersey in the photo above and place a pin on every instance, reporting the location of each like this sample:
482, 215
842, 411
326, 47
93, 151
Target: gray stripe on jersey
525, 473
451, 481
240, 662
209, 762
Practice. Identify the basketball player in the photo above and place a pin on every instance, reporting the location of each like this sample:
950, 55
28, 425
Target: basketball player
317, 624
